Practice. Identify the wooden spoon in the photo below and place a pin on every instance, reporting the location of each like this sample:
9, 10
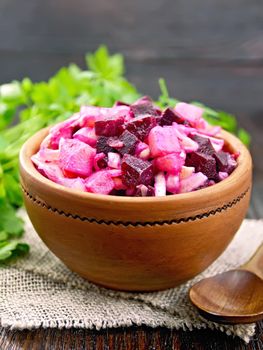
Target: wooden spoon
232, 297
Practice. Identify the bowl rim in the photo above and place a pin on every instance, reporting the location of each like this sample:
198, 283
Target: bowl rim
25, 162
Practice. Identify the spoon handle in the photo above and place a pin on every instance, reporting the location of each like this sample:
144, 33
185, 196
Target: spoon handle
255, 264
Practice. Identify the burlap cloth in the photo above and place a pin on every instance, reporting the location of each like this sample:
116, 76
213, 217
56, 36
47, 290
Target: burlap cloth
39, 291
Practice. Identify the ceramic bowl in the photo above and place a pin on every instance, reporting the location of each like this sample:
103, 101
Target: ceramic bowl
136, 244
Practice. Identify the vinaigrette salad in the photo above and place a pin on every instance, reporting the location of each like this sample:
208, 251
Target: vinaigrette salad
135, 150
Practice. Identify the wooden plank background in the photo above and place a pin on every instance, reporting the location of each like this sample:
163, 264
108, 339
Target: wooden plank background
208, 50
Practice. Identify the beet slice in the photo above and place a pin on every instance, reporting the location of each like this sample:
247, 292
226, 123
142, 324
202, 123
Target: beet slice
203, 163
144, 106
129, 143
111, 126
141, 126
169, 117
136, 171
224, 161
102, 145
205, 145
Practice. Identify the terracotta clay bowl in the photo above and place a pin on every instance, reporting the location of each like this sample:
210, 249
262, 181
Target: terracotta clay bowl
136, 244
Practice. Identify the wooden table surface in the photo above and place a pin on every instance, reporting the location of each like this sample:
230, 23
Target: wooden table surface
206, 50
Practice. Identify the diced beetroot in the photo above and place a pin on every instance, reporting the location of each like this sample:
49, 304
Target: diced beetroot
110, 126
192, 182
76, 157
204, 145
172, 183
186, 171
136, 171
202, 163
103, 146
217, 144
144, 106
169, 117
129, 143
225, 162
100, 161
86, 135
172, 163
114, 160
159, 185
163, 140
100, 182
189, 112
141, 126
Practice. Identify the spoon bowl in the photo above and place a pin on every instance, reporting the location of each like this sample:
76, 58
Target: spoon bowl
234, 296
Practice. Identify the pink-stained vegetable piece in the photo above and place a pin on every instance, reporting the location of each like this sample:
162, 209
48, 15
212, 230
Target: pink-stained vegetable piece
100, 161
141, 191
87, 135
64, 130
163, 140
48, 154
89, 114
172, 183
159, 185
115, 142
118, 184
192, 182
136, 171
142, 151
186, 143
222, 175
189, 112
186, 171
114, 160
51, 170
76, 157
76, 184
100, 182
171, 163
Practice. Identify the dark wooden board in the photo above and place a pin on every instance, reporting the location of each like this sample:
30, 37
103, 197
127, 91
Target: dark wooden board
139, 338
206, 50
